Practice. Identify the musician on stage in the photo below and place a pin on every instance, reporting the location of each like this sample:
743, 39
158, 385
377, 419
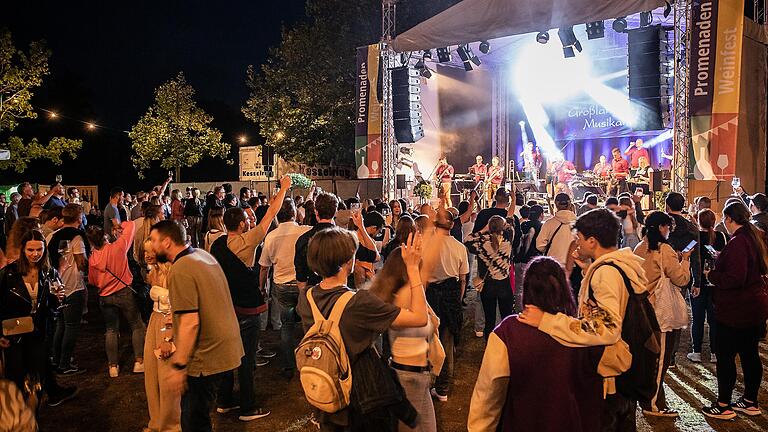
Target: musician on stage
479, 170
619, 173
444, 174
531, 163
495, 177
635, 151
602, 169
564, 171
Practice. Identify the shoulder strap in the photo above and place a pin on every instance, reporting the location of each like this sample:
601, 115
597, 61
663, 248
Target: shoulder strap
338, 308
551, 239
627, 282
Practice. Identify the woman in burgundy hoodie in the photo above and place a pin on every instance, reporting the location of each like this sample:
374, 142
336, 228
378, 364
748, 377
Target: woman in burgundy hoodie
741, 308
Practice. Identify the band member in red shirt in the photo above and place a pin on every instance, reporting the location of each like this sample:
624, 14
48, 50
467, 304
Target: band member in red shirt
619, 175
479, 170
635, 151
444, 174
564, 172
495, 177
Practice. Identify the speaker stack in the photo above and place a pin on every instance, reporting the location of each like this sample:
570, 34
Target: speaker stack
406, 104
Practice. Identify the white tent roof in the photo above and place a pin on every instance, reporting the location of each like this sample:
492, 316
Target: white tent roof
474, 20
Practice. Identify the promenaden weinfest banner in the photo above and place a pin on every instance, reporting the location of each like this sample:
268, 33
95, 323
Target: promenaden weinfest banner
368, 112
715, 76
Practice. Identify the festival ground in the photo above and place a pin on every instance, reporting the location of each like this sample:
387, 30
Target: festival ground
119, 404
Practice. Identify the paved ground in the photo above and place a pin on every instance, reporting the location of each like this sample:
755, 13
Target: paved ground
119, 404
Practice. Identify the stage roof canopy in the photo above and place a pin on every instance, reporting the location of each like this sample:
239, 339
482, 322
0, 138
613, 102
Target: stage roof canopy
476, 20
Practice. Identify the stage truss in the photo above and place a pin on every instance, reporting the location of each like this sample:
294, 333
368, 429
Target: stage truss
681, 127
682, 121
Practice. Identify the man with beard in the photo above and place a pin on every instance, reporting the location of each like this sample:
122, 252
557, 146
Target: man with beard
205, 328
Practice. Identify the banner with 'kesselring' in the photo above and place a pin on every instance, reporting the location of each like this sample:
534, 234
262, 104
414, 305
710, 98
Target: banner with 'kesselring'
368, 112
717, 29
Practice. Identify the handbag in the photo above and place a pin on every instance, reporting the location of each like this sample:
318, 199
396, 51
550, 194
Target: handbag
18, 326
670, 307
478, 283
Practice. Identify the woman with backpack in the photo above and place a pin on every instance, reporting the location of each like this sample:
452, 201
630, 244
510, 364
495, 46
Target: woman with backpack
740, 280
331, 254
513, 382
702, 306
493, 247
662, 266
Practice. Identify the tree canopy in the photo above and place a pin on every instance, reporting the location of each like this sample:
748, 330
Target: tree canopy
20, 74
175, 131
303, 96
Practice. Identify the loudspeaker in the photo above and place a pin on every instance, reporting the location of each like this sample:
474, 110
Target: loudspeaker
400, 181
656, 178
645, 77
406, 104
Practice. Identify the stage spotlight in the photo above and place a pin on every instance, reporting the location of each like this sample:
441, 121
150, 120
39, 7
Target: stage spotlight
595, 30
620, 25
419, 64
485, 47
427, 55
521, 123
542, 37
426, 73
569, 41
443, 55
466, 55
646, 18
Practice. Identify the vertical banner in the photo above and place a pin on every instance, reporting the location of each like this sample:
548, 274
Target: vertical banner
717, 29
368, 112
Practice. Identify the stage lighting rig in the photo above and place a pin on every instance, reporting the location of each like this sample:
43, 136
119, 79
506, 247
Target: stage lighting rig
427, 55
468, 57
569, 41
646, 18
620, 25
423, 69
595, 30
426, 73
443, 55
485, 47
542, 37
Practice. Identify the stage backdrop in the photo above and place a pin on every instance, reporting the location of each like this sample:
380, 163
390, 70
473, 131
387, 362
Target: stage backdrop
368, 113
715, 77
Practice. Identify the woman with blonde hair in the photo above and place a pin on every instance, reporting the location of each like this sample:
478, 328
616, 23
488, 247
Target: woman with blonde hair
163, 403
152, 215
216, 227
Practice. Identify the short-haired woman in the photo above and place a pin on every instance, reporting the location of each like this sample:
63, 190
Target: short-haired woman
331, 254
661, 261
741, 301
108, 271
528, 381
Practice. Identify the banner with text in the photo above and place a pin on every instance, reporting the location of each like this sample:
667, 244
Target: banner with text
252, 165
368, 112
715, 77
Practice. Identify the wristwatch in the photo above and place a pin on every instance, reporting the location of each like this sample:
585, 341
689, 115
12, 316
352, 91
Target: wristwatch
178, 366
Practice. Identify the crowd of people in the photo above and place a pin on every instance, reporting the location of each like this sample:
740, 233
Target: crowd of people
581, 306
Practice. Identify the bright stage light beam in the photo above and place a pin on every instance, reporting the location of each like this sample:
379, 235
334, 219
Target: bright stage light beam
614, 101
523, 132
539, 120
667, 134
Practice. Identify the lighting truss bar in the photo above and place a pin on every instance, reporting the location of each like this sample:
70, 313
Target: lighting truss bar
388, 60
682, 121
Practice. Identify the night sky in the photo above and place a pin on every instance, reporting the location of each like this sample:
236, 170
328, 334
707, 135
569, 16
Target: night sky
108, 57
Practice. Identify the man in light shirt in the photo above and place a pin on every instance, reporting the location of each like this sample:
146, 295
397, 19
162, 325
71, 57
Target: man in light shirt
278, 253
555, 237
444, 294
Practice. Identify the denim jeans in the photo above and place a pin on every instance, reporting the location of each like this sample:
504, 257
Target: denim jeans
416, 386
702, 307
197, 403
68, 328
288, 296
249, 333
111, 306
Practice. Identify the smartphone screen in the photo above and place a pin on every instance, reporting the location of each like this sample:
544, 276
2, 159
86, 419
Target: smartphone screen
690, 246
639, 192
711, 249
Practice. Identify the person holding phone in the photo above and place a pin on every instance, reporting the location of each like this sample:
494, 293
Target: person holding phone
661, 261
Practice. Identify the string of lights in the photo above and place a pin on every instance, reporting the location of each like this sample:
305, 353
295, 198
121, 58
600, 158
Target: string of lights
92, 126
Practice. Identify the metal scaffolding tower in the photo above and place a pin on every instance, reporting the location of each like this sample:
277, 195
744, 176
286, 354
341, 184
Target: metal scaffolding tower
388, 60
682, 122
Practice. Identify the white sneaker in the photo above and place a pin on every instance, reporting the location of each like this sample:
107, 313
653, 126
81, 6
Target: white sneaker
138, 367
114, 371
694, 357
438, 396
712, 358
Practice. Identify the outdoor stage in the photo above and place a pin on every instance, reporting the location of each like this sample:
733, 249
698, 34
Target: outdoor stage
576, 108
